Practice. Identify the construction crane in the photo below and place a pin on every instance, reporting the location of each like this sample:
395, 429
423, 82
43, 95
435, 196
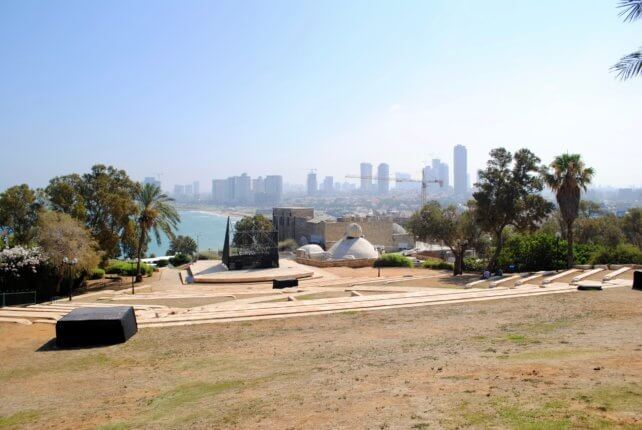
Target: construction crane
423, 181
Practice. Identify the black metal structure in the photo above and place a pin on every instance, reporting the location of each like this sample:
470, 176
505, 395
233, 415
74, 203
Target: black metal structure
278, 284
251, 249
637, 280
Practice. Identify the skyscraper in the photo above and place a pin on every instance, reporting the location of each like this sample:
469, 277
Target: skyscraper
328, 185
460, 171
196, 188
366, 177
274, 189
312, 183
383, 171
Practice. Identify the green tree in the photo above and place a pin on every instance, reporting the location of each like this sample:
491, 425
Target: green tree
567, 177
604, 231
61, 236
630, 65
182, 245
156, 214
632, 226
19, 210
103, 200
65, 194
508, 195
457, 230
253, 231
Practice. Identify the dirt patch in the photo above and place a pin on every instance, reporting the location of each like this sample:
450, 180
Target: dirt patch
557, 361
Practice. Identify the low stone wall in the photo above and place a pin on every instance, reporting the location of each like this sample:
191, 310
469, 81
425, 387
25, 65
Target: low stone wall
356, 263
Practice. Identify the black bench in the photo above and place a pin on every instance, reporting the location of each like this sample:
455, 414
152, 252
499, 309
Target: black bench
637, 280
96, 326
278, 284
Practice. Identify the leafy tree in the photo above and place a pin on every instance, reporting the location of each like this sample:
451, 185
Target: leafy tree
65, 194
61, 236
457, 230
19, 210
630, 65
103, 200
182, 245
156, 214
632, 226
590, 209
253, 231
508, 195
604, 231
567, 177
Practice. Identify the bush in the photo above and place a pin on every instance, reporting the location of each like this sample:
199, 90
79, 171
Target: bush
530, 253
208, 255
124, 268
288, 245
179, 260
436, 264
97, 273
393, 260
162, 263
621, 254
474, 265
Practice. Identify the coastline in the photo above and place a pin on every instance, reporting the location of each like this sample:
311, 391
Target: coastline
232, 213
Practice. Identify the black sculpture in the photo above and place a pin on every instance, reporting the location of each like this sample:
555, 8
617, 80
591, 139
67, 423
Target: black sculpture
251, 250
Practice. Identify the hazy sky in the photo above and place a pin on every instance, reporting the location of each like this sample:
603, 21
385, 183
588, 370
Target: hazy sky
202, 90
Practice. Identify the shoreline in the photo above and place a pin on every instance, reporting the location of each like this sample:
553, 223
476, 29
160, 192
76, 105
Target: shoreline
232, 213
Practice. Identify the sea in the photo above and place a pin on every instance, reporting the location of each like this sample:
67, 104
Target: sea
206, 228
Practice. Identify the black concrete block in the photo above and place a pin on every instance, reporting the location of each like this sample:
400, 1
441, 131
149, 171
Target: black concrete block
96, 326
637, 280
284, 283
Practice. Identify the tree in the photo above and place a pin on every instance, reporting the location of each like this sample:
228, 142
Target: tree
65, 194
457, 230
567, 177
253, 231
630, 65
102, 199
604, 231
156, 214
508, 194
60, 236
182, 245
632, 226
19, 210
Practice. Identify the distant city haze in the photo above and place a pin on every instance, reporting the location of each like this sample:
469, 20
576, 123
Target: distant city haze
191, 92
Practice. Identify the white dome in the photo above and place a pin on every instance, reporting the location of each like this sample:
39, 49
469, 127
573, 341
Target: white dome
311, 250
352, 248
312, 247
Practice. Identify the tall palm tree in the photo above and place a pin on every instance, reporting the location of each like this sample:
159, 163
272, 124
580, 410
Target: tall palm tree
567, 177
630, 65
155, 213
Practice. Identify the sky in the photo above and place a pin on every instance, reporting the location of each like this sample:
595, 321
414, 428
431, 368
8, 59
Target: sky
196, 90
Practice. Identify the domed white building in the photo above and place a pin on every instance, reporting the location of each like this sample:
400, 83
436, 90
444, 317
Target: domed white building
353, 246
311, 251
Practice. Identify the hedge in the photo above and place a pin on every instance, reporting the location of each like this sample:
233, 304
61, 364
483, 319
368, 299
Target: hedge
393, 260
124, 268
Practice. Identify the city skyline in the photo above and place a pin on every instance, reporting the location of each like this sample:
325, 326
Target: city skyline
184, 92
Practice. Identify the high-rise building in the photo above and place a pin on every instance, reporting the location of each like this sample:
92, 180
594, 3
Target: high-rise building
460, 170
179, 191
328, 185
383, 171
151, 180
258, 185
243, 189
312, 184
219, 191
196, 189
274, 189
366, 177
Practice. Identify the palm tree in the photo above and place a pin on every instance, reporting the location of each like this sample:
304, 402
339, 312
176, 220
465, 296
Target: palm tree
567, 177
155, 213
630, 65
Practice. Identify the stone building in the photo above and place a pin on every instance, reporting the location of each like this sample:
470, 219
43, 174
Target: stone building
301, 225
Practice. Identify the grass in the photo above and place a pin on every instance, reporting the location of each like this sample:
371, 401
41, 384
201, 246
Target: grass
189, 393
18, 419
551, 354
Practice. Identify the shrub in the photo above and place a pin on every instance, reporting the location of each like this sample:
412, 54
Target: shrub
621, 254
474, 265
162, 263
97, 273
436, 264
288, 245
533, 252
124, 268
208, 255
393, 260
179, 260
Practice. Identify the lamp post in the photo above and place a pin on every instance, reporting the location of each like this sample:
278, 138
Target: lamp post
70, 263
557, 246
